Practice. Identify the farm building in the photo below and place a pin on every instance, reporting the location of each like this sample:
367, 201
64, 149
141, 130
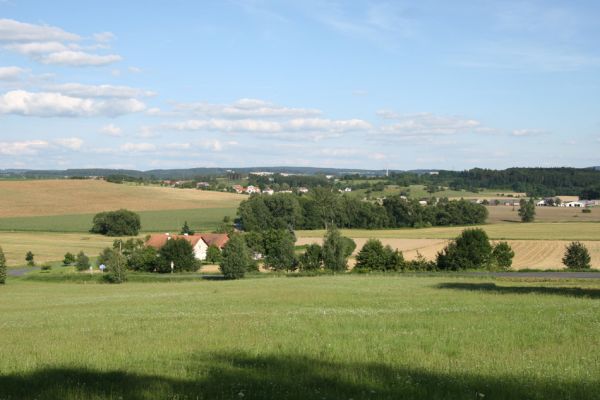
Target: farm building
200, 241
574, 204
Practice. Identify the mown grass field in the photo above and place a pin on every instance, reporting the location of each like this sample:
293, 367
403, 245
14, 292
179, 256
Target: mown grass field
201, 219
67, 197
332, 337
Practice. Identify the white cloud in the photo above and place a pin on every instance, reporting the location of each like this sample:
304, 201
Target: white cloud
37, 48
246, 108
111, 130
30, 147
50, 104
428, 124
138, 147
81, 90
527, 132
72, 143
79, 58
104, 37
15, 31
134, 70
10, 73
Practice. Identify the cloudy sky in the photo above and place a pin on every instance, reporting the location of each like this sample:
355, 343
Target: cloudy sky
398, 84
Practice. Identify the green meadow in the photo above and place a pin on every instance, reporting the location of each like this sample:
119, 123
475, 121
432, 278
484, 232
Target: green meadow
327, 337
205, 219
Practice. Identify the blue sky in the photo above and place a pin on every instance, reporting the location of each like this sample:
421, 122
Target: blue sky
361, 84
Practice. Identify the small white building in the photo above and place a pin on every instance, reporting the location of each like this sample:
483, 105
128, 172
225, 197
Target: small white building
252, 189
268, 191
302, 190
574, 204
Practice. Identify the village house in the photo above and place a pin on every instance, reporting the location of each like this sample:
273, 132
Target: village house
238, 189
268, 191
252, 189
199, 241
302, 190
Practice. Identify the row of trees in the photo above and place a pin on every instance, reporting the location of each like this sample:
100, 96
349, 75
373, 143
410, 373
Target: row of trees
324, 207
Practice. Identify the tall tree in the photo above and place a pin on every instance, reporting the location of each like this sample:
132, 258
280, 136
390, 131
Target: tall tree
279, 250
236, 258
577, 256
335, 251
527, 210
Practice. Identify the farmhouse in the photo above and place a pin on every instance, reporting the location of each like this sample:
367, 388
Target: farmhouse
200, 241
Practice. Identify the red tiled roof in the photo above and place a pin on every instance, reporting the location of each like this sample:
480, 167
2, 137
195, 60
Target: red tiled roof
217, 239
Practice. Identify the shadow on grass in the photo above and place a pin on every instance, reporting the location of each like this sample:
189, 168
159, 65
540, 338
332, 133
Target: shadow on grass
240, 376
492, 287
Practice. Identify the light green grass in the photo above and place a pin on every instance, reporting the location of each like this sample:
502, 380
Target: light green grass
507, 231
333, 337
202, 219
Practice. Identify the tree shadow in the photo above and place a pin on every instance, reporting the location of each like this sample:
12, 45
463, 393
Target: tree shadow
492, 287
242, 376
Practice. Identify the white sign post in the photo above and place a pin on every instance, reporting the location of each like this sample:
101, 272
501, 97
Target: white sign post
172, 266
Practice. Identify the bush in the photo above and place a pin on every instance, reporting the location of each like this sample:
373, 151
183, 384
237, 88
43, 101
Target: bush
375, 257
577, 256
83, 262
335, 250
586, 211
420, 263
502, 256
213, 254
116, 268
2, 267
104, 256
143, 259
46, 267
186, 229
527, 210
29, 258
236, 258
69, 259
179, 252
471, 250
312, 259
116, 223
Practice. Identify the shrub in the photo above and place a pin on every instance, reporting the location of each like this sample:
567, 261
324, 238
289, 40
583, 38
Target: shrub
143, 259
213, 254
69, 259
116, 268
46, 267
586, 211
577, 256
502, 255
179, 252
236, 258
470, 250
375, 257
104, 256
186, 229
2, 267
420, 263
312, 259
29, 258
335, 250
83, 262
116, 223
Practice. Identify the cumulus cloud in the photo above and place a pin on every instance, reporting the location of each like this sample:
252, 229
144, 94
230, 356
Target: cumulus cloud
30, 147
138, 147
79, 58
527, 132
72, 143
428, 124
51, 104
10, 73
246, 108
11, 30
52, 45
111, 130
81, 90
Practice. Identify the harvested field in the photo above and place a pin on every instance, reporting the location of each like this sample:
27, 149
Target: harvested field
499, 214
535, 254
58, 197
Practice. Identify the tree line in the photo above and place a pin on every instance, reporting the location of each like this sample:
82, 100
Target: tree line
324, 207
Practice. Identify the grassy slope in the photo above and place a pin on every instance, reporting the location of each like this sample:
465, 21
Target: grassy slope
335, 337
67, 197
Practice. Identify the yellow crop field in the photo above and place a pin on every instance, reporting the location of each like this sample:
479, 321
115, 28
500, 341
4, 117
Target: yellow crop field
514, 231
48, 246
534, 254
58, 197
499, 214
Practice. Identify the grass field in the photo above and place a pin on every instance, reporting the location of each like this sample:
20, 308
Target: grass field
68, 197
201, 219
499, 214
333, 337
